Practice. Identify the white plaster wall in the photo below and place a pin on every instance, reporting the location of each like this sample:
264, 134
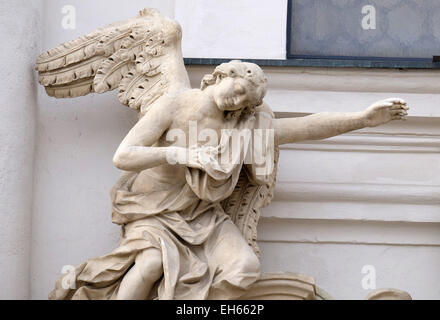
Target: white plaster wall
337, 267
366, 198
371, 197
20, 36
233, 29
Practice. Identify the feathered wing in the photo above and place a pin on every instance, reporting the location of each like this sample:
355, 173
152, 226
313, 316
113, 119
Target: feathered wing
141, 57
248, 198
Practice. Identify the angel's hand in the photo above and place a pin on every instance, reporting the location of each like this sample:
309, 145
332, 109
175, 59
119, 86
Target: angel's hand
385, 111
183, 156
208, 155
193, 157
193, 160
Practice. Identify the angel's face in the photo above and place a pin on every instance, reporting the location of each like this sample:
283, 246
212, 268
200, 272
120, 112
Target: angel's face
232, 94
239, 85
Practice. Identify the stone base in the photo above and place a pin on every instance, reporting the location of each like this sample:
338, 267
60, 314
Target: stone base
282, 286
293, 286
389, 294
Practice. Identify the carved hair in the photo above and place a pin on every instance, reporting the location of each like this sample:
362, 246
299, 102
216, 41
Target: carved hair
237, 68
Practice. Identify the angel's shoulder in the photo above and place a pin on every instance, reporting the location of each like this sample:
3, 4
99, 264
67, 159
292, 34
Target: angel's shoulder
186, 99
166, 104
187, 95
174, 105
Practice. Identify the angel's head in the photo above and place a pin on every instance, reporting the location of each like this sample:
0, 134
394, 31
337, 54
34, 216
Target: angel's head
237, 85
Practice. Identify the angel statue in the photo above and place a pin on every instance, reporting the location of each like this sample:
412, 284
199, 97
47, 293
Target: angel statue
188, 205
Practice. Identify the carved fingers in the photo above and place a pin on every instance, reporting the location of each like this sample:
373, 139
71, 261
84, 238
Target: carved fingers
399, 109
389, 103
400, 113
396, 101
198, 157
386, 110
193, 159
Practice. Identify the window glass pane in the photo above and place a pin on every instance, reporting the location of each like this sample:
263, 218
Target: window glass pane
361, 28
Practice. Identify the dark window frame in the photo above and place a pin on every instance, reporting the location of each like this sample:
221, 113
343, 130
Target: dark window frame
349, 61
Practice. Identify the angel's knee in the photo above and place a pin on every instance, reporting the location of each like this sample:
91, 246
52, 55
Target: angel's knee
241, 270
248, 263
149, 265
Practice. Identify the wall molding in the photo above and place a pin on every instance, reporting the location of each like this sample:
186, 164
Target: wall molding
348, 232
374, 142
358, 192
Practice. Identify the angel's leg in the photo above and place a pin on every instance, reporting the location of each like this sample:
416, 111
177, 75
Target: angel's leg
235, 264
137, 283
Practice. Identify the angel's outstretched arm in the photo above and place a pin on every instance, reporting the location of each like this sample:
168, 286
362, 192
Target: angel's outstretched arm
326, 125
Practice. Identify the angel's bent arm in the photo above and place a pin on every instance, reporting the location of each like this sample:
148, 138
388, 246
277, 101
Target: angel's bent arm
136, 152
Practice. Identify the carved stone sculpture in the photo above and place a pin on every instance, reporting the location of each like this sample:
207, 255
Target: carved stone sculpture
389, 294
188, 204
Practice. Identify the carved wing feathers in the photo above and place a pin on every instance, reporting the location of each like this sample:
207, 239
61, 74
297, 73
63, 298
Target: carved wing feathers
245, 203
141, 57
